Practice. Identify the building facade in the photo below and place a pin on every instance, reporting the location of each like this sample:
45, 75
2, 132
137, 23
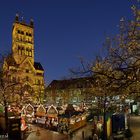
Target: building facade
21, 66
71, 91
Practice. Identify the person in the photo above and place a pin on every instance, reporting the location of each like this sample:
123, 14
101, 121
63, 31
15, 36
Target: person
83, 135
95, 137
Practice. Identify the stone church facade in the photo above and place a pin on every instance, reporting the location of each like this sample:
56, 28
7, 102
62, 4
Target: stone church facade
21, 65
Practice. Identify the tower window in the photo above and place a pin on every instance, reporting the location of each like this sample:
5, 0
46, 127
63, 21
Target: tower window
27, 52
28, 34
20, 32
30, 53
22, 51
38, 82
19, 50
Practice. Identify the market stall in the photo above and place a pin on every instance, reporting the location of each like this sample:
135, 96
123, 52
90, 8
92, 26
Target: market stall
29, 113
52, 117
41, 114
71, 120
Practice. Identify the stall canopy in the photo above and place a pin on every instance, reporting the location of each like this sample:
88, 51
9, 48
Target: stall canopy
52, 112
29, 110
41, 111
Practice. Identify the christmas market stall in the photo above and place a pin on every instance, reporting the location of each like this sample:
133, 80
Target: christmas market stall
29, 110
71, 120
40, 114
52, 117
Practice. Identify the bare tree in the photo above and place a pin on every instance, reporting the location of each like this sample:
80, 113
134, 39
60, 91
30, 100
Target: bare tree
121, 65
84, 70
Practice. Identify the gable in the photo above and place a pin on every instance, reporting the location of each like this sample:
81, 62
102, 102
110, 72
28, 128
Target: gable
38, 66
26, 64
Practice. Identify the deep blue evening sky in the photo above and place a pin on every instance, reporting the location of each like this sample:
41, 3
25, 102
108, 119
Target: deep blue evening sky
64, 29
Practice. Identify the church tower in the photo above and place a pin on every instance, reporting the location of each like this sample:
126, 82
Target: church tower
21, 65
23, 40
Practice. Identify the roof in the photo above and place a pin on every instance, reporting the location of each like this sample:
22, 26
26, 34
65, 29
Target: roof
72, 83
52, 110
69, 114
11, 61
38, 66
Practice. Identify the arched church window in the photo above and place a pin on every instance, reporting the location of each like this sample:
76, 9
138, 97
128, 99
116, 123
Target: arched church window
22, 32
22, 51
30, 53
27, 52
38, 82
18, 31
19, 50
27, 71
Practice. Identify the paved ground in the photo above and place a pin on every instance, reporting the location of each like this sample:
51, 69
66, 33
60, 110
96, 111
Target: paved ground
50, 135
38, 133
78, 134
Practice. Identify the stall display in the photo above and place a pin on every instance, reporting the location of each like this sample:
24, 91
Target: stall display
29, 109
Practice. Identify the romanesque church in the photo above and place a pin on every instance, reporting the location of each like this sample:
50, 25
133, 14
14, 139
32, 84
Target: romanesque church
21, 65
